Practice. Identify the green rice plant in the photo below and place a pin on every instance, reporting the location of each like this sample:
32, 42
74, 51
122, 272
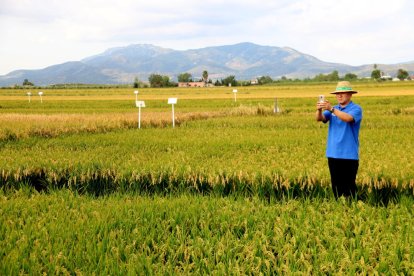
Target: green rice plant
254, 154
64, 233
233, 189
218, 146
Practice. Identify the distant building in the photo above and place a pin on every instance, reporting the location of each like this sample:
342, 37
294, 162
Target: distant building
192, 84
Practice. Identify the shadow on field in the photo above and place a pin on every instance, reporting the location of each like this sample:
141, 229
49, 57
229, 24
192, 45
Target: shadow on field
165, 185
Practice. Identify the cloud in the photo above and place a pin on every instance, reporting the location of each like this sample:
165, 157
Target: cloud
37, 33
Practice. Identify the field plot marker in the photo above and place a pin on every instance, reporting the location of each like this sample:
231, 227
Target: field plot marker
235, 92
40, 94
136, 95
276, 109
172, 102
29, 94
139, 104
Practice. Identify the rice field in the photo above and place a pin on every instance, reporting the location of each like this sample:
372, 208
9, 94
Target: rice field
239, 145
65, 233
233, 189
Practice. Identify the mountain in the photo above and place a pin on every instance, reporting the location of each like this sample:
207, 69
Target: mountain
244, 60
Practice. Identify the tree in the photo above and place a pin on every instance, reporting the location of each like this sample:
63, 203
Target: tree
205, 76
26, 82
402, 74
350, 76
166, 81
185, 77
376, 74
157, 80
334, 76
229, 80
136, 83
265, 80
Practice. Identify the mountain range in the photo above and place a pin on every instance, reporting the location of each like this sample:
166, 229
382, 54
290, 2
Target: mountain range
246, 61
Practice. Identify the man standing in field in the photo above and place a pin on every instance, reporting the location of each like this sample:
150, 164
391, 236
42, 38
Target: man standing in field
342, 148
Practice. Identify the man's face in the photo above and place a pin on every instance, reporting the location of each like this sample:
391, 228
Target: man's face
343, 98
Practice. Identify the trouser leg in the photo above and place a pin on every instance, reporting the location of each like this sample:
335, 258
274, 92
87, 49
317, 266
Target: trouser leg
343, 174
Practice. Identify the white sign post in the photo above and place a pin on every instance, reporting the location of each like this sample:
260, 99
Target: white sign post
136, 95
29, 94
139, 104
40, 94
276, 109
234, 92
172, 101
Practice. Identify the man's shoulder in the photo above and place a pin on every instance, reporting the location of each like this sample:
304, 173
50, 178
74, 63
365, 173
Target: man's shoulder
354, 105
355, 111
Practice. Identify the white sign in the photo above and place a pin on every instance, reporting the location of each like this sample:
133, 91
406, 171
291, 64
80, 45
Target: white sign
40, 94
140, 103
172, 100
235, 92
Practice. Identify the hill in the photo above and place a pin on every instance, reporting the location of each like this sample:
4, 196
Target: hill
244, 60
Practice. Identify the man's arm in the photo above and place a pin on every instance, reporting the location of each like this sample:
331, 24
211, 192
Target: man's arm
327, 106
319, 113
343, 116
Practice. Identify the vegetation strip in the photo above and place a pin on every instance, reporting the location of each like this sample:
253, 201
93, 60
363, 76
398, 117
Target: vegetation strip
65, 233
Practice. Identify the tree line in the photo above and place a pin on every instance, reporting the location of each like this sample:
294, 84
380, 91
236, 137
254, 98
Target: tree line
377, 74
158, 80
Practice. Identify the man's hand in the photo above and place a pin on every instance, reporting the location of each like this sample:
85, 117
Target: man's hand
326, 105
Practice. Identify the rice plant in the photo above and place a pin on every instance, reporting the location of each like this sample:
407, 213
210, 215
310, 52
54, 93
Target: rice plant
64, 233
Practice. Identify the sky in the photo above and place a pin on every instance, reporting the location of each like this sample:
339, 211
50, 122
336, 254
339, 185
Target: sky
35, 34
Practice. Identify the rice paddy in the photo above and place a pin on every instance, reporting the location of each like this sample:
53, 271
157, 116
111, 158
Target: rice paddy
233, 189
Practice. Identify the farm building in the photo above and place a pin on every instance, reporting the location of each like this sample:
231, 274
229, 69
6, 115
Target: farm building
192, 84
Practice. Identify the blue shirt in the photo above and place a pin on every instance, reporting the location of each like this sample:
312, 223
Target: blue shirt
343, 141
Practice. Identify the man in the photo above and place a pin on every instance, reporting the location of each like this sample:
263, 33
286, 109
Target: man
342, 148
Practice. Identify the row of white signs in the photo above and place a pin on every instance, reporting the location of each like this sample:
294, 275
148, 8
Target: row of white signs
142, 103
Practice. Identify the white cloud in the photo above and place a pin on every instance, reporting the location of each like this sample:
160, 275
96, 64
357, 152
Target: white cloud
38, 33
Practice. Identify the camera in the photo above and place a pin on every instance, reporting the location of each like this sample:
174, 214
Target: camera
321, 98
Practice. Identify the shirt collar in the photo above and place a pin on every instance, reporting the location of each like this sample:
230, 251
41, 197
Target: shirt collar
342, 108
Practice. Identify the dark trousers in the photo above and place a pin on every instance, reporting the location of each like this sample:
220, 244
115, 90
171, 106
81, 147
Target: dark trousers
343, 175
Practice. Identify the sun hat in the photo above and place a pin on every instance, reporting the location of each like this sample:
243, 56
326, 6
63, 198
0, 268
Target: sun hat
344, 87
